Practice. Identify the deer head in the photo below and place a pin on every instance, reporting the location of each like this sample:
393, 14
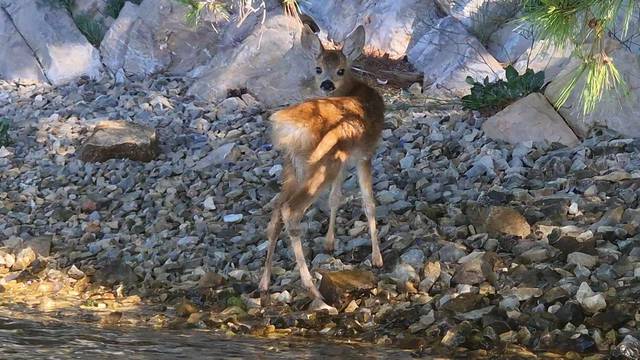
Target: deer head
332, 72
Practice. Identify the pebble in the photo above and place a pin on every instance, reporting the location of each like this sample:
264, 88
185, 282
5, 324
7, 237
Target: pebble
233, 218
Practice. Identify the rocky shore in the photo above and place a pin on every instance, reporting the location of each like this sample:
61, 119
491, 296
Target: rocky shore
489, 248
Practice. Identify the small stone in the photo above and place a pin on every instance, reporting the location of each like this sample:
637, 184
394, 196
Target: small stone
415, 89
590, 301
24, 258
233, 218
586, 260
75, 273
211, 280
351, 307
413, 257
407, 162
209, 204
629, 348
275, 170
535, 255
430, 273
283, 297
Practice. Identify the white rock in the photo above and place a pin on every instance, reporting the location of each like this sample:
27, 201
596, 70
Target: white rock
75, 273
590, 301
529, 119
4, 152
233, 218
209, 204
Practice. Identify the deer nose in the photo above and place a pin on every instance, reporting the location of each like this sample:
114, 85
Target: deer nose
327, 85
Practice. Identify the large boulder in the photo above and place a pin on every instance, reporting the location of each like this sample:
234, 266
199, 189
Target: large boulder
544, 56
531, 118
270, 63
447, 54
614, 111
392, 26
154, 37
510, 41
17, 61
61, 49
481, 17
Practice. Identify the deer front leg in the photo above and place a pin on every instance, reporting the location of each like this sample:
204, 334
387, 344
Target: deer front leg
368, 204
334, 203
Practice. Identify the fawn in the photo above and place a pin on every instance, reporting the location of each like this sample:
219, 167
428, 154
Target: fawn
318, 138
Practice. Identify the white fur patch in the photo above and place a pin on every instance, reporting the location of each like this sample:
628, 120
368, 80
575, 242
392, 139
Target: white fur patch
291, 137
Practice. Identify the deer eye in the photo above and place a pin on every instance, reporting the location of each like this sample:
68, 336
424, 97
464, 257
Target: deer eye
340, 72
318, 70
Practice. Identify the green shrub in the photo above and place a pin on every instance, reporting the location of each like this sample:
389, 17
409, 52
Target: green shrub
491, 97
113, 8
4, 132
90, 28
585, 24
219, 8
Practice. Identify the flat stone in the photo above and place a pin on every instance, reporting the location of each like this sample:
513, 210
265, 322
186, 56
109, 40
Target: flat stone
120, 139
529, 119
586, 260
499, 220
336, 286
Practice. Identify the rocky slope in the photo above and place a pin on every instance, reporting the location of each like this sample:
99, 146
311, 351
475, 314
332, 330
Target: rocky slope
487, 246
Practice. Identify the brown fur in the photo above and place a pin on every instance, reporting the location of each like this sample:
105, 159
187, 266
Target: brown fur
318, 138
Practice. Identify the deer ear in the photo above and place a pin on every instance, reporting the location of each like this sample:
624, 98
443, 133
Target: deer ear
354, 43
310, 42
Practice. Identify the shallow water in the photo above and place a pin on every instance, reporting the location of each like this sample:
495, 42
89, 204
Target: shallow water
29, 339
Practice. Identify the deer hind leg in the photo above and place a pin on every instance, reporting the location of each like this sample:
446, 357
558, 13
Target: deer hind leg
294, 208
290, 183
334, 202
368, 204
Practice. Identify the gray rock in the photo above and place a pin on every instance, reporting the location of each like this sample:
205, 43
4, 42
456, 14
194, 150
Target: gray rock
222, 154
391, 26
413, 257
447, 54
154, 37
61, 49
586, 260
263, 64
17, 61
